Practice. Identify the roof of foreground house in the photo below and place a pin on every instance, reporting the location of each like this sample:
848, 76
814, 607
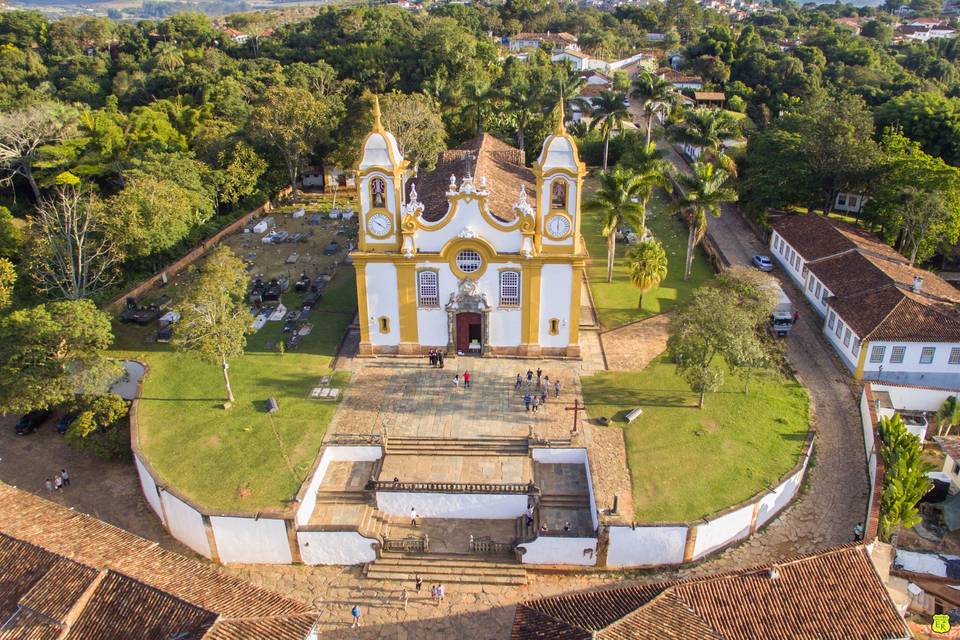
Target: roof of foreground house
832, 594
67, 575
482, 157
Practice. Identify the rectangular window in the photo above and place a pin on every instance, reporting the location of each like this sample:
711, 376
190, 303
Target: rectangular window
384, 324
926, 355
876, 354
509, 288
777, 242
955, 355
839, 330
823, 298
554, 326
841, 199
810, 284
428, 292
856, 346
817, 293
831, 319
806, 270
897, 354
854, 202
846, 337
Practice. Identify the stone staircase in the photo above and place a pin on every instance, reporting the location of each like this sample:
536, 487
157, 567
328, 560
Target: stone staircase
565, 501
486, 446
447, 568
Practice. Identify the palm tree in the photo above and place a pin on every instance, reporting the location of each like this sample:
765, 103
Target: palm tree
707, 129
647, 262
617, 200
654, 94
522, 104
609, 114
948, 415
702, 192
168, 56
648, 163
568, 88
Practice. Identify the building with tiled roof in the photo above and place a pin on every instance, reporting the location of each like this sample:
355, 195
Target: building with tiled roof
886, 319
556, 41
681, 80
834, 594
68, 576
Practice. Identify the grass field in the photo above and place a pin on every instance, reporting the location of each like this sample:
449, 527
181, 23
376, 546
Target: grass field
244, 459
616, 301
686, 463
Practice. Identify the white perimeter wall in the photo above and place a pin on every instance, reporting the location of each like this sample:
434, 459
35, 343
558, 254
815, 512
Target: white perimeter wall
251, 541
773, 502
335, 547
149, 489
453, 505
646, 546
869, 447
555, 283
382, 300
722, 531
916, 398
185, 524
330, 454
560, 550
570, 456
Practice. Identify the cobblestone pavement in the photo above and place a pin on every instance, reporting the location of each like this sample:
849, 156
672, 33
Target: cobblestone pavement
632, 347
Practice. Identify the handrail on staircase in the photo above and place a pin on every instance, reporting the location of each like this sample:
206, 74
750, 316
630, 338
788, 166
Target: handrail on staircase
453, 487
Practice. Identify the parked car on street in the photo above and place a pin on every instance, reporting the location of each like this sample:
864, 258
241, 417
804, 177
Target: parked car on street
64, 423
763, 263
29, 422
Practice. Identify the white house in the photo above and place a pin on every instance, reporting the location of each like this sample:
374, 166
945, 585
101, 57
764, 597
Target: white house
555, 41
681, 80
480, 256
886, 320
849, 202
579, 60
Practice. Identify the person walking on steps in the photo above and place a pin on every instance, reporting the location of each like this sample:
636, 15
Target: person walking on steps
556, 389
527, 399
516, 387
536, 403
418, 583
355, 612
413, 516
466, 379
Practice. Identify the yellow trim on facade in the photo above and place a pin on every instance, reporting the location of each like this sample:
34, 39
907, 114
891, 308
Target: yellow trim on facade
379, 211
577, 286
530, 297
362, 309
861, 361
452, 249
454, 203
407, 301
558, 213
578, 261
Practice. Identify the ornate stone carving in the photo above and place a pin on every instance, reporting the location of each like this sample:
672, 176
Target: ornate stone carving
522, 208
468, 297
467, 233
413, 207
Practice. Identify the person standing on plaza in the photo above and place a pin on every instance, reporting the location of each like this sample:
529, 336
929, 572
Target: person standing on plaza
404, 597
49, 485
440, 359
529, 377
433, 593
413, 516
543, 395
556, 389
432, 355
546, 382
456, 381
516, 387
539, 375
527, 399
536, 403
439, 594
418, 583
466, 379
65, 477
355, 612
58, 482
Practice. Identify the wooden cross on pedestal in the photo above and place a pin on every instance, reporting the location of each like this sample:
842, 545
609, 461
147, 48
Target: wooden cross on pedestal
576, 408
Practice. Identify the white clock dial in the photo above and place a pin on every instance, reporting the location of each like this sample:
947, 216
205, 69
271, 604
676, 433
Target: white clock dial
379, 224
558, 226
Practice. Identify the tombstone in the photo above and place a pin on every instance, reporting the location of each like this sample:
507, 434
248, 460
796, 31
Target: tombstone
272, 406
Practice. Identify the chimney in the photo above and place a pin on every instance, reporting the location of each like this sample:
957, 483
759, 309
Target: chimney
917, 284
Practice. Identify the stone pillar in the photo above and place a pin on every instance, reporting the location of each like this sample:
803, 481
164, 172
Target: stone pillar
485, 332
690, 544
452, 334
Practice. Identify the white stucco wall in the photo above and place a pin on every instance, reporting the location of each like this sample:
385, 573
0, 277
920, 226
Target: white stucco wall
570, 456
382, 300
781, 257
359, 454
773, 502
914, 398
869, 444
810, 292
149, 488
560, 550
646, 546
937, 373
185, 524
335, 547
555, 285
845, 352
453, 505
251, 541
432, 325
468, 216
722, 531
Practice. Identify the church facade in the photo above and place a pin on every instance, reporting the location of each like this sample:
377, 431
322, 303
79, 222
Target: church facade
480, 256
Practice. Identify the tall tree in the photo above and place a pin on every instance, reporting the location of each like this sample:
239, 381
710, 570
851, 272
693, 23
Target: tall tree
291, 121
52, 352
8, 277
214, 320
168, 56
609, 113
703, 192
654, 94
948, 415
416, 122
647, 263
22, 134
708, 129
148, 216
71, 254
905, 480
615, 201
653, 171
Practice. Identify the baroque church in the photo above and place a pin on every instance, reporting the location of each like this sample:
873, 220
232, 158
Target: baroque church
482, 255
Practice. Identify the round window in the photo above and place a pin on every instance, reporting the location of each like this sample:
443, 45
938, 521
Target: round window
469, 261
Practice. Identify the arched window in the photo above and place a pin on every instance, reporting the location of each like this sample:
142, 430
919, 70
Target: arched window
558, 194
428, 293
509, 288
378, 192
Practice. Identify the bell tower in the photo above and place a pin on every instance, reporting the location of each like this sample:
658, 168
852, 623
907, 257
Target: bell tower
559, 175
380, 182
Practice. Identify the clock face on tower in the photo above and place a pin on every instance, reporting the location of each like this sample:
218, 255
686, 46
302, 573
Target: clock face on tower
558, 226
379, 225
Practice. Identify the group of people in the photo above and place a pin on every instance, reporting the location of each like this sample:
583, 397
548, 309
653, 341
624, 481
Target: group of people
59, 481
436, 358
466, 380
537, 391
437, 594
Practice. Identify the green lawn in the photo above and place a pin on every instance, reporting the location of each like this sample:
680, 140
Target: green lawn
616, 302
687, 463
244, 459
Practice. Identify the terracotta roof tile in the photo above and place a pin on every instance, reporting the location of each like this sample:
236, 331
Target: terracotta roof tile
289, 627
483, 157
848, 273
833, 594
812, 236
950, 446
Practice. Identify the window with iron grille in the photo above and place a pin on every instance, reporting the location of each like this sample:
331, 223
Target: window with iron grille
846, 337
897, 354
509, 288
469, 261
839, 327
428, 292
856, 346
817, 293
876, 354
926, 355
832, 319
955, 355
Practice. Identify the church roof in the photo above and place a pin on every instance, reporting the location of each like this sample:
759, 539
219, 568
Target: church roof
482, 157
